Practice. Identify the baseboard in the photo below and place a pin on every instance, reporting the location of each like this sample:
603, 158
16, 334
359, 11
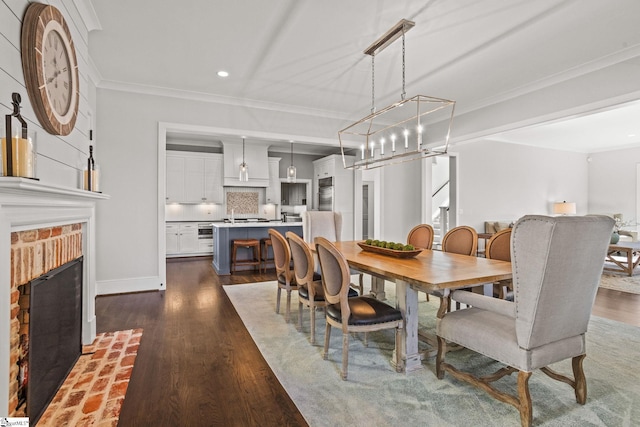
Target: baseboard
123, 286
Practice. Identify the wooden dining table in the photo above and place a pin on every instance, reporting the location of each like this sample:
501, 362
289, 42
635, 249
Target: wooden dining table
429, 271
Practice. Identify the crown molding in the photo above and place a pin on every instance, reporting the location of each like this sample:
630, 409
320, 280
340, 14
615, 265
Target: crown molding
88, 14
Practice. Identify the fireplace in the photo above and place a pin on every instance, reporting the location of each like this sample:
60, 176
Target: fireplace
31, 210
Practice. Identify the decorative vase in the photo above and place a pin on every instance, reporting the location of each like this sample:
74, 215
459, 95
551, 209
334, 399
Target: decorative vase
615, 237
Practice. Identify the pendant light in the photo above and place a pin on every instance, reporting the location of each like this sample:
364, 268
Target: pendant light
244, 169
291, 170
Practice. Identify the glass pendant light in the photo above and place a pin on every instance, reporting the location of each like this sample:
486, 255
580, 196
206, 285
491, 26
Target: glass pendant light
244, 169
291, 170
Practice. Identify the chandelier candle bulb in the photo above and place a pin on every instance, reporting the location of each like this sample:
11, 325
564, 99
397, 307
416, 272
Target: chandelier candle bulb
372, 147
382, 147
406, 139
393, 143
362, 152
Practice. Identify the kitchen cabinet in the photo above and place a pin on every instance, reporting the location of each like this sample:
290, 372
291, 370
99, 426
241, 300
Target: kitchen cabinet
194, 177
182, 238
344, 191
273, 190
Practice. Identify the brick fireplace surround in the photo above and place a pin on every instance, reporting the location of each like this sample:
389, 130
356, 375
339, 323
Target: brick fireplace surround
42, 226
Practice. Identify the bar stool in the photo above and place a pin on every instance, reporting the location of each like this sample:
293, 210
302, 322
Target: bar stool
265, 243
254, 244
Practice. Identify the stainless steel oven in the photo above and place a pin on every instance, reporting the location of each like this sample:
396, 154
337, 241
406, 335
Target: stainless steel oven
325, 194
205, 231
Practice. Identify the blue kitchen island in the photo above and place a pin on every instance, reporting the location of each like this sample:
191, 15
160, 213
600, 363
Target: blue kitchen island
225, 233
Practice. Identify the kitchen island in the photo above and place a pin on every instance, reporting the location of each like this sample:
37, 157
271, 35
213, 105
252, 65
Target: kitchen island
224, 233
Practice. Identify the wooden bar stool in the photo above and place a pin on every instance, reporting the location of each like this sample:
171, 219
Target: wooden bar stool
254, 244
265, 244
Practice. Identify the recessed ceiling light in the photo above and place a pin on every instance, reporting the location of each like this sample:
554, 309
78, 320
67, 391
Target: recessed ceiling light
223, 73
631, 135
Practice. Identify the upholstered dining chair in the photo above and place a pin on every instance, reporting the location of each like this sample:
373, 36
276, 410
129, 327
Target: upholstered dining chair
421, 236
327, 224
310, 292
285, 276
359, 314
461, 240
557, 264
499, 247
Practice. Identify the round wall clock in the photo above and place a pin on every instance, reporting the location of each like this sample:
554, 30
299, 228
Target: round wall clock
50, 68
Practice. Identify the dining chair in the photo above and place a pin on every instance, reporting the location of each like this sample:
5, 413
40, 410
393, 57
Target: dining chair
285, 277
499, 247
327, 224
461, 240
421, 236
310, 292
557, 265
359, 314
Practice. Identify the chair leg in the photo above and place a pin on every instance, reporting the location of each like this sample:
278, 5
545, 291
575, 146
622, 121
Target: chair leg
345, 355
442, 350
278, 300
581, 380
361, 283
366, 339
312, 312
300, 316
288, 312
526, 410
327, 337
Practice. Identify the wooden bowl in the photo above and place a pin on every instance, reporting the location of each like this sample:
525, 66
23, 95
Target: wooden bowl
389, 252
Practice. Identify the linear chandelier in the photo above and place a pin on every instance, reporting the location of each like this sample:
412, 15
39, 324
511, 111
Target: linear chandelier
410, 129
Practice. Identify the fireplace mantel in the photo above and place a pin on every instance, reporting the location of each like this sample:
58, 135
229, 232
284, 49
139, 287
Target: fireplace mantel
29, 204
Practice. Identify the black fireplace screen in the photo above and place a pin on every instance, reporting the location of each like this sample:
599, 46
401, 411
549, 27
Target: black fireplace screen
55, 330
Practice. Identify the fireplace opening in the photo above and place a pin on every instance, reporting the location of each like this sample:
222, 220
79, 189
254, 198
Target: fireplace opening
54, 341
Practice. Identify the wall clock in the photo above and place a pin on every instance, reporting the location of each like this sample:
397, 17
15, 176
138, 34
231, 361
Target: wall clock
50, 68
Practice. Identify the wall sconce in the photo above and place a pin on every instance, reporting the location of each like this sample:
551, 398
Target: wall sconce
564, 208
18, 152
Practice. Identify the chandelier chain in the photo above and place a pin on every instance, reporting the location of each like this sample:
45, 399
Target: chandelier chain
404, 93
373, 83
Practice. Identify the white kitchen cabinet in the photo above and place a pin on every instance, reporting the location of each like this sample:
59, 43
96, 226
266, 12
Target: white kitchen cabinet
274, 191
182, 238
213, 179
175, 179
344, 192
194, 177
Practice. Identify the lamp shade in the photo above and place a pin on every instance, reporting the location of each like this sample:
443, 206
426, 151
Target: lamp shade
564, 208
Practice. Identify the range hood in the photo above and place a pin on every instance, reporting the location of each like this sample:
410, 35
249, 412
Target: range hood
256, 157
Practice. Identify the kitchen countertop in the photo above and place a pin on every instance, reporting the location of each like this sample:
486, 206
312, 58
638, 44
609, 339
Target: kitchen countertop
273, 224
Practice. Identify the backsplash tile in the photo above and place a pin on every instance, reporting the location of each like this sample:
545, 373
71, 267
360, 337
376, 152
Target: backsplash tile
242, 203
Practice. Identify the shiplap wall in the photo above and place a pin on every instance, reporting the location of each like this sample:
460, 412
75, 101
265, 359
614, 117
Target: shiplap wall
60, 159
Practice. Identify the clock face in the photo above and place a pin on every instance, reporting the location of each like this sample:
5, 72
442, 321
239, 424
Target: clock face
50, 68
57, 72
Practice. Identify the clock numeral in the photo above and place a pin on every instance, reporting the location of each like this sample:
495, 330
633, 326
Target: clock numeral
64, 70
66, 85
55, 43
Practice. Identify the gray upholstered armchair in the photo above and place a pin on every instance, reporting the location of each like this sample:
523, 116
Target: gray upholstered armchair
557, 263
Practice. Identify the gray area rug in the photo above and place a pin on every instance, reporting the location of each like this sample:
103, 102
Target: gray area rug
375, 395
620, 281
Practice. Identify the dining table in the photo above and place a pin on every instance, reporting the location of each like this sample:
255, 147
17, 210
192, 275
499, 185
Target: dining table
430, 271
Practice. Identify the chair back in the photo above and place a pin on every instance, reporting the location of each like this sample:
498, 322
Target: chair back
557, 264
499, 246
321, 224
335, 274
281, 255
421, 236
303, 267
461, 240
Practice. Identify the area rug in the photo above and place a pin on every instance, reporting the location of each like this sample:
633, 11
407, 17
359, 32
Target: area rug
93, 393
620, 282
375, 395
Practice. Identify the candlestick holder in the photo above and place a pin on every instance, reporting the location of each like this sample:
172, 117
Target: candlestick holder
18, 154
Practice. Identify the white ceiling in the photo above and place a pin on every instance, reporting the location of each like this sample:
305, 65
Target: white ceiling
304, 55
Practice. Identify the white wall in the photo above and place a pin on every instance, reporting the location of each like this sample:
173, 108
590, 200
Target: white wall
400, 200
500, 181
612, 183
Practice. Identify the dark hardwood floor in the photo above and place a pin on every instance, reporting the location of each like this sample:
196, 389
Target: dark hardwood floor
197, 364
